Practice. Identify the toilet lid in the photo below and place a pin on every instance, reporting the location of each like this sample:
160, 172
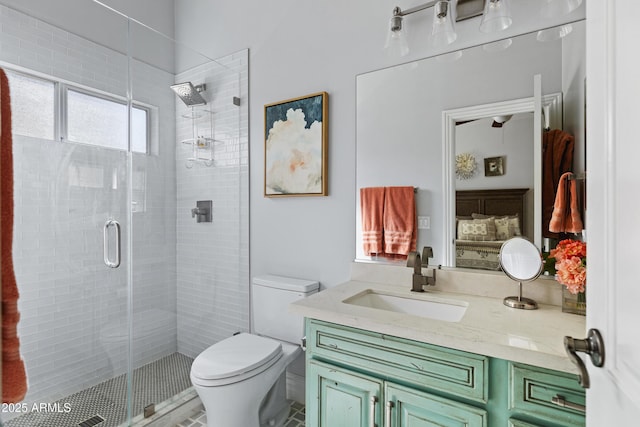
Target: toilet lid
234, 356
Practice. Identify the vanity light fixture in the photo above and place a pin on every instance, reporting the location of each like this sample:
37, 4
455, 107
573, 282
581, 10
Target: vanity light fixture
496, 17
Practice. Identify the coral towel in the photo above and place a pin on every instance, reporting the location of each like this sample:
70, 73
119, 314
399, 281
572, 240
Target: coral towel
371, 209
14, 382
399, 221
566, 215
557, 159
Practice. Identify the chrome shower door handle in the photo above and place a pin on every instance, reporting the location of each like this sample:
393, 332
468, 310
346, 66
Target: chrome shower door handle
116, 225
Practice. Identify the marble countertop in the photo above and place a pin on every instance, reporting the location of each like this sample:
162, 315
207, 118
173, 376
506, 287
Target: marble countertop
488, 327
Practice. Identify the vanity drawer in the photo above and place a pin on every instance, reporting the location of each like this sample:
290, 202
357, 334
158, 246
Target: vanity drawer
532, 392
409, 362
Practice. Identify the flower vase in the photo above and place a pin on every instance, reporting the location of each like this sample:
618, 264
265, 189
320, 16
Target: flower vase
574, 303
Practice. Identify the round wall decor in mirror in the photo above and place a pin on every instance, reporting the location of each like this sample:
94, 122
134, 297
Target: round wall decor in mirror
521, 261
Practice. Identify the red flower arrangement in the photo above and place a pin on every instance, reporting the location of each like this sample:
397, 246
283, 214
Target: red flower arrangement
571, 264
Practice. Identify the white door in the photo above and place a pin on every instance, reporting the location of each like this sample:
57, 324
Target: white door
613, 208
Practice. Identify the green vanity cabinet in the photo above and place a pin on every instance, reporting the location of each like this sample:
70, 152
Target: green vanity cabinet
360, 378
343, 398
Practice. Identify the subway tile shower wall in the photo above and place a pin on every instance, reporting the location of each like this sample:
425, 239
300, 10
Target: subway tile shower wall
212, 264
189, 290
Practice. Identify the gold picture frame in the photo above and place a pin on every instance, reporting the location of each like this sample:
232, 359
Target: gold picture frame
295, 146
494, 166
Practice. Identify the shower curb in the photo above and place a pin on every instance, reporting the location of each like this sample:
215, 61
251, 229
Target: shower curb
183, 406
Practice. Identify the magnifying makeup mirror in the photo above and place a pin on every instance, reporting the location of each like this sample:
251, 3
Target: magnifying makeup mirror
521, 261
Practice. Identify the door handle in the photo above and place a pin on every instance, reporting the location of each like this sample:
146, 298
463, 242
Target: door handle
116, 262
593, 345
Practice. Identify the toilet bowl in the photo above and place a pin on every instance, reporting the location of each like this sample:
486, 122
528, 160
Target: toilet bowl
234, 376
241, 379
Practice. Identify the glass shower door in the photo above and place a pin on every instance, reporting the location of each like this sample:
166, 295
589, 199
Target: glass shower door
72, 222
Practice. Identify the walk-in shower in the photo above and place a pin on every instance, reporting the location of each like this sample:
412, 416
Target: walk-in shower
97, 136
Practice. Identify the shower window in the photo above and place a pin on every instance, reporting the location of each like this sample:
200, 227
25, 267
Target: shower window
33, 105
100, 121
46, 109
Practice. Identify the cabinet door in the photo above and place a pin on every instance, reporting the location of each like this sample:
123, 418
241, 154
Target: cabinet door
341, 398
406, 407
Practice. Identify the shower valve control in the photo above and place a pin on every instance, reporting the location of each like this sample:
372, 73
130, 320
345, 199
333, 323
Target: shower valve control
202, 211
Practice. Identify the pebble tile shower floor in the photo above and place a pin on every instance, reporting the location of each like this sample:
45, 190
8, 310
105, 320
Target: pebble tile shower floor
152, 383
296, 418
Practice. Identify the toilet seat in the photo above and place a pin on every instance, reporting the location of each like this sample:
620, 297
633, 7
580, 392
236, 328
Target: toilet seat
235, 359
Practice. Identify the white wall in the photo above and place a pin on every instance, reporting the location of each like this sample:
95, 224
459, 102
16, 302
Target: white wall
514, 141
297, 48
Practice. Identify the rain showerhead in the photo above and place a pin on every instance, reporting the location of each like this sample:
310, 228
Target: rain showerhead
189, 93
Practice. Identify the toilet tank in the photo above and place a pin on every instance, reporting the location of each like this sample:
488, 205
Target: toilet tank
271, 296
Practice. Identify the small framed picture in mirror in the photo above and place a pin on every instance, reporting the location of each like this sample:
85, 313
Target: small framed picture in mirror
494, 166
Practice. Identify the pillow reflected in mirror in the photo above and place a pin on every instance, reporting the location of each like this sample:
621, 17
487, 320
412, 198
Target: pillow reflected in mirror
506, 226
479, 230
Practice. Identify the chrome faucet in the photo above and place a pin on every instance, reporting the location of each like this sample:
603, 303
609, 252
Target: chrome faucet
419, 281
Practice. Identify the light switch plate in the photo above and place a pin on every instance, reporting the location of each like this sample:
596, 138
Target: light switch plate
424, 222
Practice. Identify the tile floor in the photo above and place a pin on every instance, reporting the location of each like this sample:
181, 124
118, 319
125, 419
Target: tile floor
152, 383
296, 418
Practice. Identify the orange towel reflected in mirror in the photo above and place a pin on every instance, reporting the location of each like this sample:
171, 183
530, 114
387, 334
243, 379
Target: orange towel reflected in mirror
388, 221
566, 214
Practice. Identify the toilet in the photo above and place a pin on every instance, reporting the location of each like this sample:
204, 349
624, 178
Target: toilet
241, 380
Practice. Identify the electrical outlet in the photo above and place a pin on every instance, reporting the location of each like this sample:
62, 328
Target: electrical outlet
424, 222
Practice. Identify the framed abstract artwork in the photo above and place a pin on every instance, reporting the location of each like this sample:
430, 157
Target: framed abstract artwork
295, 148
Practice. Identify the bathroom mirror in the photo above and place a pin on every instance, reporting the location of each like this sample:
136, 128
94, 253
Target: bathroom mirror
520, 261
401, 125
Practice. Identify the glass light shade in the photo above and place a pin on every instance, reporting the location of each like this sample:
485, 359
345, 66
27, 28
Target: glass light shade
555, 33
496, 16
396, 44
498, 46
443, 32
552, 8
449, 57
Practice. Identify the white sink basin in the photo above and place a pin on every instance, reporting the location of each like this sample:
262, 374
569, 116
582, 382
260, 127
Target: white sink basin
423, 306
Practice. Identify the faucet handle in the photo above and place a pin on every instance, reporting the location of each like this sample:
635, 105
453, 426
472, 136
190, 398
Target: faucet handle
427, 252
